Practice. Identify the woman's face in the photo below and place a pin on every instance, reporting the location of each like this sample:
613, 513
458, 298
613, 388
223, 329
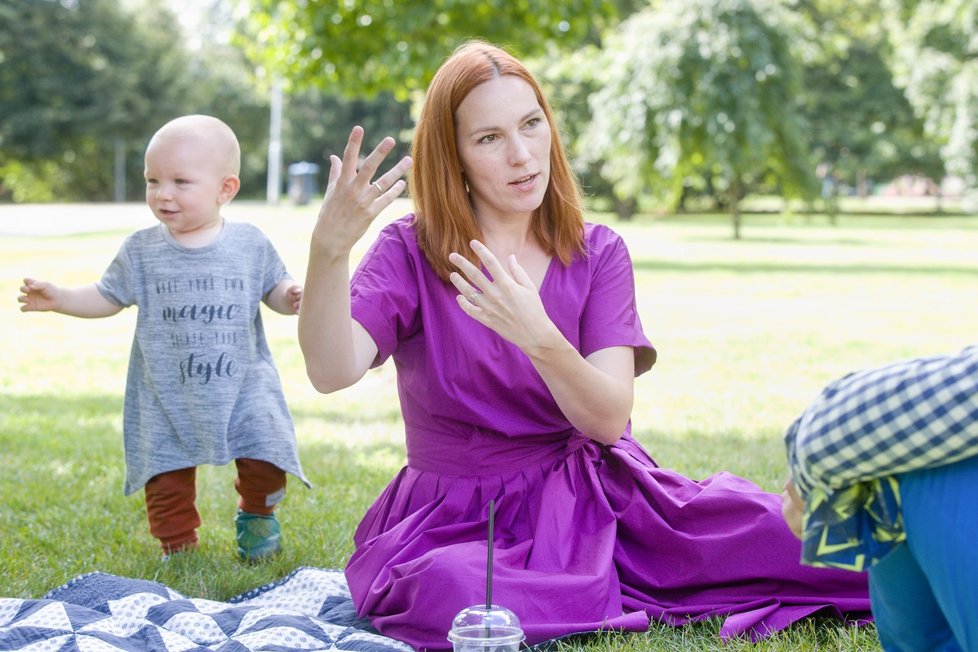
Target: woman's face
504, 144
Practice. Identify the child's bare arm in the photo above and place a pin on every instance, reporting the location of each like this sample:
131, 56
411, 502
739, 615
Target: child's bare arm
85, 301
285, 297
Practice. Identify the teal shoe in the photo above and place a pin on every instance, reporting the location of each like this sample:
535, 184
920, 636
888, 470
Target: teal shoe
258, 535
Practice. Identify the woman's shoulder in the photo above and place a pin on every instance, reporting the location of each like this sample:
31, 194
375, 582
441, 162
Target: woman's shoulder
601, 238
395, 242
597, 232
401, 228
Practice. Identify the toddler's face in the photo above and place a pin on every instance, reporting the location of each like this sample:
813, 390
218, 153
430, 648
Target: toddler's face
184, 184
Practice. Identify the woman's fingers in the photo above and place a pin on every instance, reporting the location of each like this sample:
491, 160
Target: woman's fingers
351, 167
466, 289
351, 180
351, 153
373, 160
335, 167
387, 181
392, 180
519, 274
473, 276
488, 259
472, 279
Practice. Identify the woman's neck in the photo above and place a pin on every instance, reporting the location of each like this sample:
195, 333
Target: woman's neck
508, 237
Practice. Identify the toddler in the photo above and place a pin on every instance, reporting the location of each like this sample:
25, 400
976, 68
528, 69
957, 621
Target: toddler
202, 387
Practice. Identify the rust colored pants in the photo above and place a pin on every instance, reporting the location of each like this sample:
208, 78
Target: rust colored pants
171, 500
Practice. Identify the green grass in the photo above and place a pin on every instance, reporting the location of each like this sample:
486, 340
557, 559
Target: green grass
747, 332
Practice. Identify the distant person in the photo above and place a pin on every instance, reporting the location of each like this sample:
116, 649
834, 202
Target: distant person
884, 468
202, 387
513, 326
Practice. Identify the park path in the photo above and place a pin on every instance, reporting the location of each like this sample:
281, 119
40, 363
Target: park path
67, 219
32, 220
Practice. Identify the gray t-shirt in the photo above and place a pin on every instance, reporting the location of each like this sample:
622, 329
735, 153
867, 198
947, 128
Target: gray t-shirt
202, 387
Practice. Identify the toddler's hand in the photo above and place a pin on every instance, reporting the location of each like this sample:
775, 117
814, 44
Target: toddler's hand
295, 298
37, 296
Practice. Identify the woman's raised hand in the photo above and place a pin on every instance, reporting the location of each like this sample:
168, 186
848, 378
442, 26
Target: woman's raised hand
354, 197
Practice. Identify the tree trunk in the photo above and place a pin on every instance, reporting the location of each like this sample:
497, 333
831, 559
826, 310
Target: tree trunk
735, 208
119, 172
625, 208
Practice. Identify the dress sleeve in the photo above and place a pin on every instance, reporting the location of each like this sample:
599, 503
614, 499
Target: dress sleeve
384, 292
610, 317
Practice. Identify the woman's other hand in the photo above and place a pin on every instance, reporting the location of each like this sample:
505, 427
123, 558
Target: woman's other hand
509, 304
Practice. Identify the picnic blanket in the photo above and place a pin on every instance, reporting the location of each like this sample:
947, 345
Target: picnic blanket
310, 609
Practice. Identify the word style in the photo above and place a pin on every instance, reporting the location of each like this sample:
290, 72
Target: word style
197, 367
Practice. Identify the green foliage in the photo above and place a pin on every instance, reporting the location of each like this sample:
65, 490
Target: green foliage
77, 70
76, 78
699, 93
935, 45
222, 84
317, 124
569, 79
702, 97
861, 124
82, 80
362, 47
27, 182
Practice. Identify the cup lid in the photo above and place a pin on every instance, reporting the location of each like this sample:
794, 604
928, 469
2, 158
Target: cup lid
478, 621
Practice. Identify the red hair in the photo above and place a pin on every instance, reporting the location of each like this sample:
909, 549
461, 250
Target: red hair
445, 221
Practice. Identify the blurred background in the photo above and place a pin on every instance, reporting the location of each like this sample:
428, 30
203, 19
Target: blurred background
665, 105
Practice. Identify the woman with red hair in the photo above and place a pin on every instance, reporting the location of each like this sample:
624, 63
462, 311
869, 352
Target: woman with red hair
513, 327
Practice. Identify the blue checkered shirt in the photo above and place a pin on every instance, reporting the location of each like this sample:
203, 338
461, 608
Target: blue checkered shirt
871, 425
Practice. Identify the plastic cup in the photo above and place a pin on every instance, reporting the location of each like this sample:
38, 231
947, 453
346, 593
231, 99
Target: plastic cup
478, 629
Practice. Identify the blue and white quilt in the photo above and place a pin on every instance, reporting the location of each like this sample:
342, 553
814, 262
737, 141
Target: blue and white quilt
311, 609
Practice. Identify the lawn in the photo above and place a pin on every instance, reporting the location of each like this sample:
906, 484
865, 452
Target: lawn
748, 332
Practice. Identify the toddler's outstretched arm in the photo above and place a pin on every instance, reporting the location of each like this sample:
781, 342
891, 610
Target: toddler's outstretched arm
85, 301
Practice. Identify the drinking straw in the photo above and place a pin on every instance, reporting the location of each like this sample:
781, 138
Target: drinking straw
492, 507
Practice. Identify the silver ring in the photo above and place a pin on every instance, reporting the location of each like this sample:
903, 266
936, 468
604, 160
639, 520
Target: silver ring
377, 186
474, 296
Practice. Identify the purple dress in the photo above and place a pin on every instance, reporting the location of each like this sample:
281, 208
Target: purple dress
587, 536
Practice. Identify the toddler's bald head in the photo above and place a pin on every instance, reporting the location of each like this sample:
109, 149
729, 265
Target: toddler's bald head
215, 140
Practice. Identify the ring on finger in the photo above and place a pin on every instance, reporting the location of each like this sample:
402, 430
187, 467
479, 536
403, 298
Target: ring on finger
376, 185
474, 296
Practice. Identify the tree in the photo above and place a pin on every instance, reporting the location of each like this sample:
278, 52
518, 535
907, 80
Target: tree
862, 127
363, 47
569, 79
700, 92
84, 84
79, 81
318, 124
935, 44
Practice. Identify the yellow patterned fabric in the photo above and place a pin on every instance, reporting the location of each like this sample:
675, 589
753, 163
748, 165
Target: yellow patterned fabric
852, 528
